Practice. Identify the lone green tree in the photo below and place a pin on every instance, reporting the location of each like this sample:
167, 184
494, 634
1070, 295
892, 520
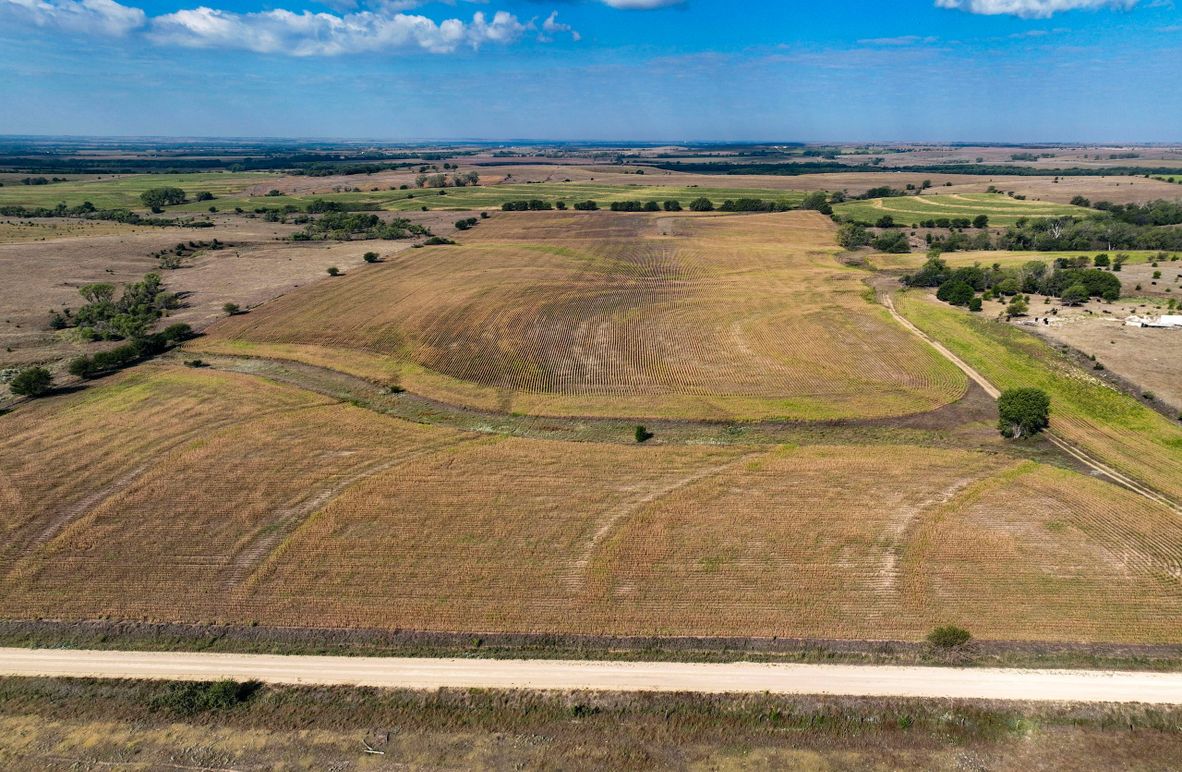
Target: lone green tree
1023, 412
32, 382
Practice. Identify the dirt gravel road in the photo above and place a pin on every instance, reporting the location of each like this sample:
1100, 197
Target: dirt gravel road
847, 680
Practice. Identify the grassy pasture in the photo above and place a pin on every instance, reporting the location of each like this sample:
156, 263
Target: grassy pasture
91, 724
909, 210
194, 496
490, 197
114, 192
742, 317
1108, 424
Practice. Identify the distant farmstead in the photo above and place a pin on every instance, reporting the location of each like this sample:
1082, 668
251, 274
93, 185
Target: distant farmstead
1169, 321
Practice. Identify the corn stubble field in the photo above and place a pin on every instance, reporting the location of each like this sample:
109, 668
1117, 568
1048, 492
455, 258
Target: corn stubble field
199, 495
236, 500
615, 315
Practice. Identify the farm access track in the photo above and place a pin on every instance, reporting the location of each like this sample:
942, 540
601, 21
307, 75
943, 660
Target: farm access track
1082, 457
948, 426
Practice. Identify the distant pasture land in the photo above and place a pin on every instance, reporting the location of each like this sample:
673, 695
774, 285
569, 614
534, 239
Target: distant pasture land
15, 231
187, 495
1005, 259
1115, 189
910, 210
123, 192
609, 314
491, 197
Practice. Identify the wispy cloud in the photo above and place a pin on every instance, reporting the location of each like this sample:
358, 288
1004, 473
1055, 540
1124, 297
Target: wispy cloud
903, 40
1031, 9
641, 5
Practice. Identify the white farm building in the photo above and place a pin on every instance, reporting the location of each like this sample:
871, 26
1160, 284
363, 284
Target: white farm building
1168, 321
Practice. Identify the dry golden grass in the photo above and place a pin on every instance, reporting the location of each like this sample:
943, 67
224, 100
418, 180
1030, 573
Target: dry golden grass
17, 231
182, 495
615, 315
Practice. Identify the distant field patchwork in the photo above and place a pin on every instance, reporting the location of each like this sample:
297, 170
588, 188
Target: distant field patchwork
911, 210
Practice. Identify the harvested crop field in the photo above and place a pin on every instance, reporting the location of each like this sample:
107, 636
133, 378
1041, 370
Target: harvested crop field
189, 496
607, 314
910, 210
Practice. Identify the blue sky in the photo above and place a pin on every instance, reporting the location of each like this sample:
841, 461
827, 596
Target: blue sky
733, 70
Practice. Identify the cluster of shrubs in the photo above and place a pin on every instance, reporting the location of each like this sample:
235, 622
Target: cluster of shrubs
463, 225
136, 350
980, 222
458, 180
31, 382
174, 258
852, 235
88, 211
533, 205
158, 198
355, 226
104, 317
1072, 283
188, 699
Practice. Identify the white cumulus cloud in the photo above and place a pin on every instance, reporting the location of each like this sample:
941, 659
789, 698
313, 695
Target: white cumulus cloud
325, 34
89, 17
1031, 9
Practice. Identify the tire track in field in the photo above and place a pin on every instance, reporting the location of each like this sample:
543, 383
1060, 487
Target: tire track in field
64, 519
251, 563
1072, 450
577, 578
